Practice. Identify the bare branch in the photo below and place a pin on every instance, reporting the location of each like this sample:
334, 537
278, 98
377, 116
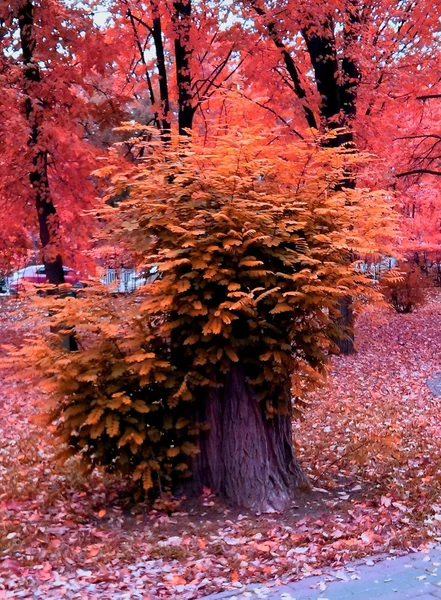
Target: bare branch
428, 96
419, 172
290, 65
272, 111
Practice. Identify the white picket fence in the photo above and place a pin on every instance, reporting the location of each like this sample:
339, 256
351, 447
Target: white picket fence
127, 280
123, 280
377, 270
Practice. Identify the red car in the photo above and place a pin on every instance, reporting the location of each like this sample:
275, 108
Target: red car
36, 274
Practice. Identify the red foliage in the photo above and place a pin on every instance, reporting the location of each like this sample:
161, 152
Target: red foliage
406, 293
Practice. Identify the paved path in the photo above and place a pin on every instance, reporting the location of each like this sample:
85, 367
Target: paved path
412, 576
434, 384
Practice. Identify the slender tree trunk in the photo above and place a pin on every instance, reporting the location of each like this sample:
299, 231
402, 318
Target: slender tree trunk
247, 459
345, 341
38, 175
162, 72
182, 23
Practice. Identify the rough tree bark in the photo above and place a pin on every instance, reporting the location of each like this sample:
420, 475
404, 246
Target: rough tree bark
247, 459
38, 174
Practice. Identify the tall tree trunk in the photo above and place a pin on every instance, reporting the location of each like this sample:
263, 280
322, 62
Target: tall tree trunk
162, 72
38, 174
182, 23
247, 459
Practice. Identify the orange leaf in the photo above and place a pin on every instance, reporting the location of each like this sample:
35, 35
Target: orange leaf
263, 547
176, 580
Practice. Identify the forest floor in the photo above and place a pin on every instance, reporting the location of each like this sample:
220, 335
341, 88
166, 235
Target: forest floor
371, 443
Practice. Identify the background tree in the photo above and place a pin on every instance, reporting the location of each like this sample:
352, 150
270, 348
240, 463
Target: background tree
174, 64
45, 166
173, 56
351, 67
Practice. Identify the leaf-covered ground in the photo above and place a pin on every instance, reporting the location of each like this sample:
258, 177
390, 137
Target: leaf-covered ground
371, 443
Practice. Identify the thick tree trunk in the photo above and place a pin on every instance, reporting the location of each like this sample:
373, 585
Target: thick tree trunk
245, 458
38, 173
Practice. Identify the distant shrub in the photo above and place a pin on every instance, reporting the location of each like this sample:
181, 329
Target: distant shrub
408, 292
